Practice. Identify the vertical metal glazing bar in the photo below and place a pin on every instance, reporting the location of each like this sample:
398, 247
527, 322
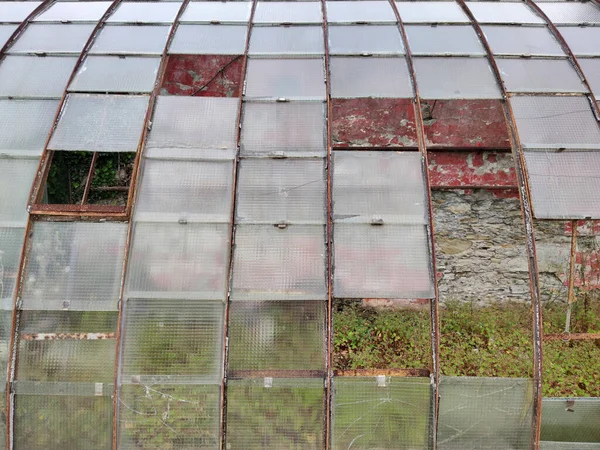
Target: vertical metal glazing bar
571, 296
527, 212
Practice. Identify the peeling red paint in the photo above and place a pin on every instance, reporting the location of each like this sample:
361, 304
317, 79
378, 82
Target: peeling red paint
465, 124
584, 228
373, 122
186, 74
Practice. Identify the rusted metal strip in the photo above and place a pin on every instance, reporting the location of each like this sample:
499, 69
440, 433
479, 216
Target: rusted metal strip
88, 182
70, 210
387, 372
571, 295
244, 374
572, 337
67, 336
21, 28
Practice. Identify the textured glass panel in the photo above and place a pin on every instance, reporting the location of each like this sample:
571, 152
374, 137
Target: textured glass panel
288, 12
11, 244
193, 123
442, 78
359, 39
53, 38
371, 413
591, 69
6, 31
365, 11
288, 415
276, 335
275, 190
179, 261
571, 422
131, 39
172, 341
369, 77
288, 78
529, 75
477, 413
431, 12
160, 417
145, 12
25, 124
378, 186
443, 40
582, 41
555, 122
16, 11
33, 76
74, 265
507, 40
103, 123
390, 261
209, 40
563, 13
287, 128
74, 12
16, 176
217, 12
564, 185
185, 190
287, 41
272, 263
488, 12
116, 74
5, 335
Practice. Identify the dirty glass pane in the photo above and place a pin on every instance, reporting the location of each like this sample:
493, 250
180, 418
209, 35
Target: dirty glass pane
25, 124
277, 335
116, 74
185, 191
160, 417
582, 41
369, 77
378, 187
209, 40
431, 12
477, 413
591, 69
17, 11
102, 123
33, 76
11, 243
283, 128
564, 185
53, 38
531, 75
389, 261
172, 341
570, 423
181, 261
131, 39
145, 12
289, 414
507, 40
287, 41
6, 31
288, 12
488, 12
16, 176
359, 39
366, 11
443, 40
296, 79
381, 412
555, 122
441, 78
74, 12
74, 265
281, 190
224, 12
571, 13
5, 334
272, 263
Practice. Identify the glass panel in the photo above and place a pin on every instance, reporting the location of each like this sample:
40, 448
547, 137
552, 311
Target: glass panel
532, 76
116, 74
390, 261
217, 12
288, 78
102, 123
575, 13
353, 12
32, 76
74, 12
6, 31
11, 244
53, 38
277, 335
284, 128
507, 40
74, 265
131, 39
288, 12
486, 12
287, 41
359, 39
381, 412
145, 12
274, 191
25, 124
555, 122
570, 422
431, 12
369, 77
172, 341
17, 11
443, 40
378, 187
272, 263
181, 261
15, 184
440, 78
591, 69
209, 40
582, 41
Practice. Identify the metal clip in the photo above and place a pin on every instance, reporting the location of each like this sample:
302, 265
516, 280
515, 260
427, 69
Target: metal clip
268, 382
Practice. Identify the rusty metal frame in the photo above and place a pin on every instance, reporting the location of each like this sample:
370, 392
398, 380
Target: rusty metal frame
405, 373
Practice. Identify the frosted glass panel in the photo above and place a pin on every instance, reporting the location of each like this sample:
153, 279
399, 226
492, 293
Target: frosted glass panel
359, 39
582, 41
53, 38
25, 124
591, 69
74, 12
6, 32
571, 13
509, 40
232, 12
443, 40
16, 11
431, 12
131, 39
32, 76
532, 76
11, 244
288, 12
209, 40
364, 11
16, 176
287, 41
487, 12
145, 12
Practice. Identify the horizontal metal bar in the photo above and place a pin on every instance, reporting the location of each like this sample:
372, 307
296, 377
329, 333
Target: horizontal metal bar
572, 337
66, 336
386, 372
239, 374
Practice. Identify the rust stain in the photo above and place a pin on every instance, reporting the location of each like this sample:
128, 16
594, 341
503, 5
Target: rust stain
66, 336
386, 372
